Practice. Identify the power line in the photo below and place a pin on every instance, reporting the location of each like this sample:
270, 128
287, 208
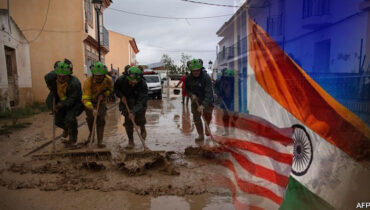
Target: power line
220, 5
43, 26
14, 38
183, 51
41, 30
166, 17
52, 31
178, 50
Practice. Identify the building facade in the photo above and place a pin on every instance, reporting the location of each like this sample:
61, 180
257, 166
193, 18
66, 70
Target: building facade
122, 52
56, 29
307, 30
15, 71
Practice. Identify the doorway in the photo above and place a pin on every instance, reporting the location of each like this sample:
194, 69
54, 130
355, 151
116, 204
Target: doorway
11, 67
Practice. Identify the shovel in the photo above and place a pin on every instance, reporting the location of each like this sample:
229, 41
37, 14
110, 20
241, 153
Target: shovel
54, 124
136, 129
93, 130
219, 146
206, 124
147, 155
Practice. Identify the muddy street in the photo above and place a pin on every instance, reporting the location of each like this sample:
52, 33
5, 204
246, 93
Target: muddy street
85, 183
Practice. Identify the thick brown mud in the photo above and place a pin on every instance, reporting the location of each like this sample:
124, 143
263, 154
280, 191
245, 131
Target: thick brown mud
178, 176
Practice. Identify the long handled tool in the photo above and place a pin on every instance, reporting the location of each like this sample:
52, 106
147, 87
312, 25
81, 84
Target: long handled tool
54, 124
136, 129
220, 147
206, 125
147, 156
93, 130
226, 109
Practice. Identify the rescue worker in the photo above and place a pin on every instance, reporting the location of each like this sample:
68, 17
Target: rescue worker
66, 90
132, 89
224, 89
184, 94
198, 86
96, 88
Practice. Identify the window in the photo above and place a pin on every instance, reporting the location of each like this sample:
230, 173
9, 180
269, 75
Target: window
151, 79
89, 12
315, 8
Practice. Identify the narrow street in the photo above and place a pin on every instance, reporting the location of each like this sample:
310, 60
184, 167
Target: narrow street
63, 183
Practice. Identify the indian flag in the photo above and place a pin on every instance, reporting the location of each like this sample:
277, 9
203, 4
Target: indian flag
330, 168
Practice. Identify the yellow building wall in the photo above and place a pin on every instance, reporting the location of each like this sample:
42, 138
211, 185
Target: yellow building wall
119, 51
61, 38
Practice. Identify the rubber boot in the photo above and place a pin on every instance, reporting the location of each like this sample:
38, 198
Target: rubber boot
143, 132
131, 144
65, 133
130, 135
199, 128
72, 133
100, 131
90, 125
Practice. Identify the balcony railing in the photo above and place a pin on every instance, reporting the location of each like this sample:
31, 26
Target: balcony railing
221, 56
230, 52
313, 8
104, 38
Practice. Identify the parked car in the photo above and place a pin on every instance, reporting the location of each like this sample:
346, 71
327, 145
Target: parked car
154, 83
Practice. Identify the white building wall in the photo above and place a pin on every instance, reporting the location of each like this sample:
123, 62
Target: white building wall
15, 40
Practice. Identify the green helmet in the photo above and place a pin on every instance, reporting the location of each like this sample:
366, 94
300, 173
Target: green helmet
63, 67
134, 74
98, 68
195, 64
228, 73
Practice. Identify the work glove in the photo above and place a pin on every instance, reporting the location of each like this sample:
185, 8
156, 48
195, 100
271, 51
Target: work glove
194, 97
123, 99
101, 97
131, 116
200, 109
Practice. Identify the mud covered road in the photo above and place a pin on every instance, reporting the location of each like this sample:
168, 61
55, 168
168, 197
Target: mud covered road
69, 183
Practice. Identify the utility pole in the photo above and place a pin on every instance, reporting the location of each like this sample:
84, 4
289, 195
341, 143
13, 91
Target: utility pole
97, 6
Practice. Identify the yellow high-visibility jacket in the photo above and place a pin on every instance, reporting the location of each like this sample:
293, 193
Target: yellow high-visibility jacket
91, 90
62, 90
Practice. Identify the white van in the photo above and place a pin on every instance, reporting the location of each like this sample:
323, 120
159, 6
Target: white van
154, 83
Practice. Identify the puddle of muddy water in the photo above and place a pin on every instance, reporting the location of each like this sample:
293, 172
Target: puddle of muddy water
204, 201
169, 127
92, 199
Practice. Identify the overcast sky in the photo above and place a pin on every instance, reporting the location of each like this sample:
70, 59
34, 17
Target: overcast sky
155, 36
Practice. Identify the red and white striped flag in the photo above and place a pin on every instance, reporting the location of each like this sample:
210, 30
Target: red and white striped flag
257, 161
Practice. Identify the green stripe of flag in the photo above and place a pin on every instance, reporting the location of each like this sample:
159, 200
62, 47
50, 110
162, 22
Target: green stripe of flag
299, 197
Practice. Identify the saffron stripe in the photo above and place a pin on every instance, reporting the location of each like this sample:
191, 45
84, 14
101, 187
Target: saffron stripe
300, 95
